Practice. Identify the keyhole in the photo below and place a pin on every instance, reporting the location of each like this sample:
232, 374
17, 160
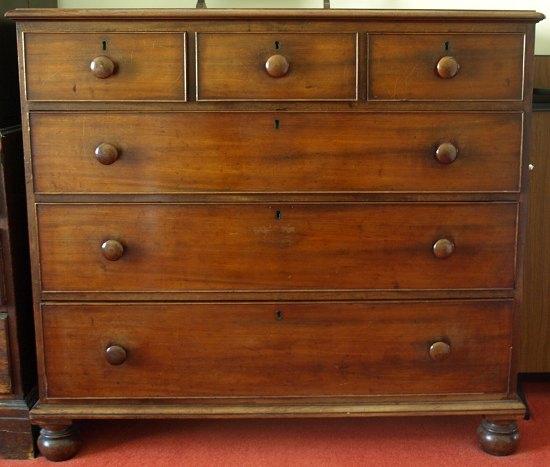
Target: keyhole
279, 315
278, 215
277, 124
446, 45
104, 45
277, 45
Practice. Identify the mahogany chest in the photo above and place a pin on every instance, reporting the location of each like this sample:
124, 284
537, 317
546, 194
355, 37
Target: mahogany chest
264, 213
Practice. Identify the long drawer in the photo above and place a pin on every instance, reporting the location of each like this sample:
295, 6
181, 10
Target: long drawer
122, 152
105, 66
446, 66
258, 247
283, 350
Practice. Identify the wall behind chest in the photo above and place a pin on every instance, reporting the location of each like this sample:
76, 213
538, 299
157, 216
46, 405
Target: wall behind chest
542, 43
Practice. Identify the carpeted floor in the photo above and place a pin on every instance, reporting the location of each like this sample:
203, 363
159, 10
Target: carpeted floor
426, 441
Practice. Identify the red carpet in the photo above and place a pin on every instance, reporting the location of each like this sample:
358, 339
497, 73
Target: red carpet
426, 441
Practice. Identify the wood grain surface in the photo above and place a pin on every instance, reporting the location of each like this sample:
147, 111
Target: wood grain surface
535, 342
5, 378
231, 66
279, 349
176, 247
252, 241
402, 67
274, 152
148, 66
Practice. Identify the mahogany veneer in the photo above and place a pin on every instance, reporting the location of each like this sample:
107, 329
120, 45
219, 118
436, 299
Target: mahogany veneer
63, 66
315, 66
482, 66
241, 213
343, 349
312, 152
259, 247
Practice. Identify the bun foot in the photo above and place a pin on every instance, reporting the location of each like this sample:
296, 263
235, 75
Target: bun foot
498, 438
58, 442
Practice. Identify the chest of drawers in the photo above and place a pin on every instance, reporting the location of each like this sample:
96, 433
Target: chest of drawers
239, 213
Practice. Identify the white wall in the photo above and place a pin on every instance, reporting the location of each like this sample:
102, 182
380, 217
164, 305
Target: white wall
542, 44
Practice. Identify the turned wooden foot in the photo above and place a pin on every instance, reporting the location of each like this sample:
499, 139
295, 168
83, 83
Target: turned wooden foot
498, 437
58, 442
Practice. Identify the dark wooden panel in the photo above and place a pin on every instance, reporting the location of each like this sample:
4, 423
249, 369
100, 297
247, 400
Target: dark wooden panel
535, 342
16, 282
542, 72
253, 350
5, 379
298, 152
17, 364
16, 434
403, 67
9, 89
171, 247
148, 66
3, 273
232, 66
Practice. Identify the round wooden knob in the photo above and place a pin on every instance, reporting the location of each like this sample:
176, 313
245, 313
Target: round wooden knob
115, 355
277, 66
447, 67
446, 153
112, 250
443, 248
439, 351
102, 67
106, 153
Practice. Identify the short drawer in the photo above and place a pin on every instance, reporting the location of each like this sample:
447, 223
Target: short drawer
259, 247
446, 66
120, 152
276, 350
105, 66
276, 66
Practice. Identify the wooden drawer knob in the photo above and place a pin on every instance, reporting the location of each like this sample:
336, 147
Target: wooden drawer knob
439, 351
443, 248
102, 67
446, 153
106, 153
112, 250
447, 67
115, 355
277, 66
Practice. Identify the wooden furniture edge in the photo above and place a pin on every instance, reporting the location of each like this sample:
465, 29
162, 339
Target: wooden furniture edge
394, 15
44, 411
16, 432
14, 408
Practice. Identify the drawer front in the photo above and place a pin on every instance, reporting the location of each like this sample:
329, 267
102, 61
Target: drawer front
446, 66
268, 152
285, 66
132, 66
5, 379
280, 350
257, 247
